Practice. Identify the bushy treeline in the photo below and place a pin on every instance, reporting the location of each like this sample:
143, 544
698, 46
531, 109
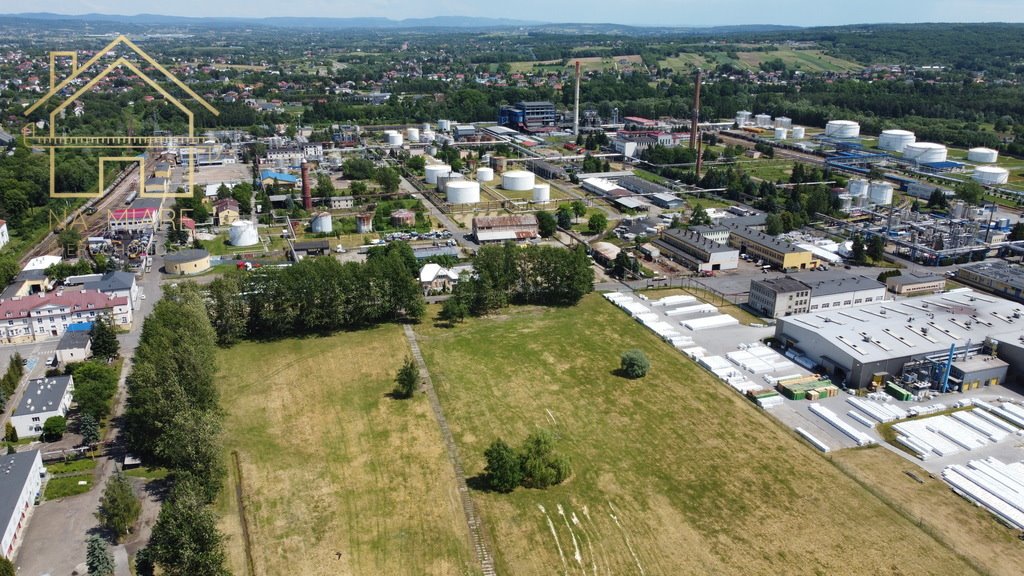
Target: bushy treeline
511, 274
11, 378
173, 419
534, 465
317, 295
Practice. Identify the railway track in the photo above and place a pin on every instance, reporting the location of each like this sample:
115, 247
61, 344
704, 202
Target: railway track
126, 181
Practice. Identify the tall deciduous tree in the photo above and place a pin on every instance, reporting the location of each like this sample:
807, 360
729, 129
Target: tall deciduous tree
699, 217
119, 508
503, 470
597, 223
185, 539
104, 338
546, 224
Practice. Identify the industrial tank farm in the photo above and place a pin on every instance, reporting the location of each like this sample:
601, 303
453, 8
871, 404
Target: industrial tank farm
463, 192
322, 223
432, 171
842, 129
980, 154
896, 140
243, 233
542, 193
990, 175
517, 180
925, 152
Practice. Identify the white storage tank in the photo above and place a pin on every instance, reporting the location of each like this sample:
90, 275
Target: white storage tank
542, 193
412, 134
484, 174
783, 122
432, 171
858, 187
959, 209
425, 126
896, 140
444, 179
845, 202
982, 154
781, 133
243, 233
925, 152
395, 139
322, 223
463, 192
799, 133
517, 180
742, 117
990, 175
763, 120
444, 125
842, 129
880, 193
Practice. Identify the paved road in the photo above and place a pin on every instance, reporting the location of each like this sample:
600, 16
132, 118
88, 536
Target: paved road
54, 541
458, 232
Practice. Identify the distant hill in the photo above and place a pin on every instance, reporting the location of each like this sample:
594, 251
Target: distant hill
450, 22
285, 21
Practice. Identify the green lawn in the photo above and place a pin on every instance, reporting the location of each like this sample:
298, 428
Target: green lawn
147, 473
67, 486
330, 463
73, 466
672, 474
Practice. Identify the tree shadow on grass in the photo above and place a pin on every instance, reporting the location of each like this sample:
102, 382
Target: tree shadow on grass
620, 373
480, 483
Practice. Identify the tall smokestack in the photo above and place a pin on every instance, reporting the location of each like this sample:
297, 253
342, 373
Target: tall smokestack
696, 110
695, 124
576, 112
307, 196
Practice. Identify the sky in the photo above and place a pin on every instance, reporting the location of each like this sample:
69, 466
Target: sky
642, 12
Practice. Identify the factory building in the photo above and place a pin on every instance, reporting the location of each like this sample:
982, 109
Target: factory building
786, 296
696, 252
527, 115
909, 341
773, 251
546, 170
1000, 278
502, 228
714, 233
915, 284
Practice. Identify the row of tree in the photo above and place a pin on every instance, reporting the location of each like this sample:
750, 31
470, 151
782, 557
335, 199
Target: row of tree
173, 420
509, 274
9, 382
316, 296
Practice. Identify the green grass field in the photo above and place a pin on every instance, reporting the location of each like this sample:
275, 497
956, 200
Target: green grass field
672, 474
805, 60
331, 464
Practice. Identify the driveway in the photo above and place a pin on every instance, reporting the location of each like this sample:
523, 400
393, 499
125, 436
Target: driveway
54, 542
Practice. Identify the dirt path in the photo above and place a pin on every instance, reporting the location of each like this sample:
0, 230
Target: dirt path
480, 546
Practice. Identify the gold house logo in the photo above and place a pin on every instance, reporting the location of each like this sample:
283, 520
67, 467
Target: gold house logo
185, 145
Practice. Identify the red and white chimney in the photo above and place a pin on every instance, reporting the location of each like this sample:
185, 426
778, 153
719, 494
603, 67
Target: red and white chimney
307, 197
